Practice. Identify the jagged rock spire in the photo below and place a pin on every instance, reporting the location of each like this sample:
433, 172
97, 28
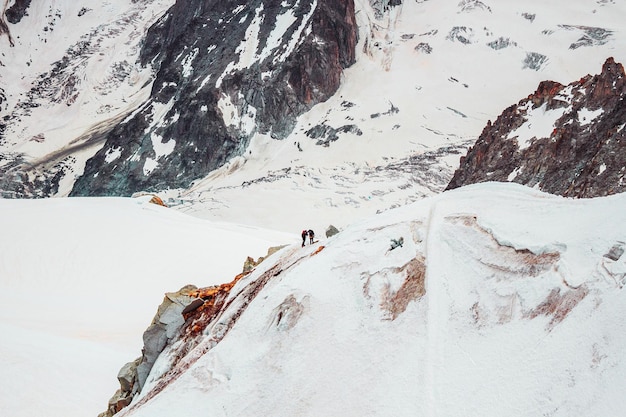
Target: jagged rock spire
567, 140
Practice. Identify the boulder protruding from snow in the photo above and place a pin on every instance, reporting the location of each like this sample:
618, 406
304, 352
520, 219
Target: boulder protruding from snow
127, 376
331, 231
249, 264
164, 327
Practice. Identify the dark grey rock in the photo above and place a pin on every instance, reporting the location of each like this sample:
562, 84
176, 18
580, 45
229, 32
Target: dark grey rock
501, 43
534, 60
326, 134
461, 34
331, 231
165, 326
17, 11
591, 36
424, 47
128, 375
616, 252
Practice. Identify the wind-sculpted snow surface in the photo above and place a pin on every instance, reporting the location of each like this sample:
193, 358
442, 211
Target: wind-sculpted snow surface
501, 300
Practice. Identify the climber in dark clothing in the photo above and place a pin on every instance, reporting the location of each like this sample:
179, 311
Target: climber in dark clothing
311, 236
304, 235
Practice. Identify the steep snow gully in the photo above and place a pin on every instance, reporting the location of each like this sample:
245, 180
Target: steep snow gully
490, 286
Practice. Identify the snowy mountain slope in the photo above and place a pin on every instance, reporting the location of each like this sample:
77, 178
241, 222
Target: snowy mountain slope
221, 70
69, 74
224, 73
494, 305
79, 282
420, 105
428, 76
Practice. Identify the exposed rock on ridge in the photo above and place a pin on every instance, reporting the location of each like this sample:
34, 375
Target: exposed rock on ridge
224, 74
185, 313
164, 328
566, 140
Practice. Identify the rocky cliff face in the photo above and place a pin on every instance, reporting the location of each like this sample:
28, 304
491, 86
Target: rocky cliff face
567, 140
226, 70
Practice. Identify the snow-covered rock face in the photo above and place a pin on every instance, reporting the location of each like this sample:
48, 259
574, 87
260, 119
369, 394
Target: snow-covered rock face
492, 303
568, 140
428, 77
225, 72
69, 75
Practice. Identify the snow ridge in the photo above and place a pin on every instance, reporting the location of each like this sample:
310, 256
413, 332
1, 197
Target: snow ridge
505, 287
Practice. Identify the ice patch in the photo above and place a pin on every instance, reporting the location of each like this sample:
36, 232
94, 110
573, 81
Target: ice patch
204, 82
247, 48
228, 110
586, 116
283, 22
297, 35
602, 169
539, 124
134, 157
159, 111
513, 174
161, 149
245, 122
112, 154
149, 166
187, 63
248, 121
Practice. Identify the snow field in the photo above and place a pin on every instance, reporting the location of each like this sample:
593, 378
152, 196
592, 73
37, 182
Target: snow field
86, 276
